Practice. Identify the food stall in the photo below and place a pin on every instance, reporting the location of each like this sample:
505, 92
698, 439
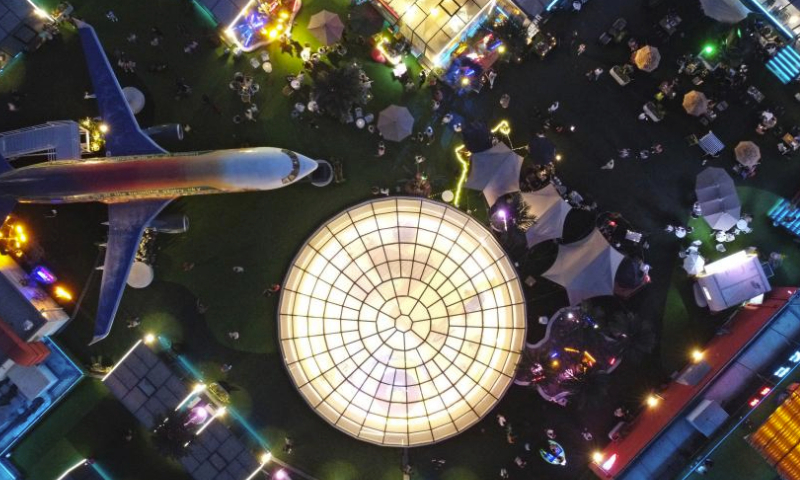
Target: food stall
439, 31
262, 21
731, 281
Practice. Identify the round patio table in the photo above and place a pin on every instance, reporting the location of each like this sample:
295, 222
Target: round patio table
741, 224
267, 67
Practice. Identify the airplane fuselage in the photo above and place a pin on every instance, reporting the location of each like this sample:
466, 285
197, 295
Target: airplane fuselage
161, 176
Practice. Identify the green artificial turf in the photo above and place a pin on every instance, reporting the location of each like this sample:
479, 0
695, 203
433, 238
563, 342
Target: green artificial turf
262, 231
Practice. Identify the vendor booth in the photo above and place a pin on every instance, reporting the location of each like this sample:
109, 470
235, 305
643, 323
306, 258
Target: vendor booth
731, 281
262, 21
441, 31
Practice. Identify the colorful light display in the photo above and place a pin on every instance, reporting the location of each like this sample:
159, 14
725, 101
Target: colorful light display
262, 21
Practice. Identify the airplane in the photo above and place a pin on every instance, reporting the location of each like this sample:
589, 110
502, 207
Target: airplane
138, 178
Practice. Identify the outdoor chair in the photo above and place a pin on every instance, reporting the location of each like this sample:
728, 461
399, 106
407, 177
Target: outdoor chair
604, 39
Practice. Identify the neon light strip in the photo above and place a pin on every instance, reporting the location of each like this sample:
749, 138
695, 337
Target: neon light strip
122, 360
194, 392
552, 4
437, 58
219, 412
70, 469
40, 12
502, 127
772, 17
260, 467
229, 31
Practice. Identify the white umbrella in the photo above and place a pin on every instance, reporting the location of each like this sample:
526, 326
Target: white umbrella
693, 264
135, 99
725, 11
495, 172
718, 200
395, 123
326, 26
586, 268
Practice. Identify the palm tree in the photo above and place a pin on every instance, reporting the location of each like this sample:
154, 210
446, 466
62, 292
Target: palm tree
524, 220
589, 389
338, 90
635, 337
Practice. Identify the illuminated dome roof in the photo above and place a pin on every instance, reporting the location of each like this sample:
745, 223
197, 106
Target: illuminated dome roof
402, 321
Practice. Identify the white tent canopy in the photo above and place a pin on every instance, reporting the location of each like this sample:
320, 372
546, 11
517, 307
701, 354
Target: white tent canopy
586, 268
725, 11
550, 211
719, 202
495, 172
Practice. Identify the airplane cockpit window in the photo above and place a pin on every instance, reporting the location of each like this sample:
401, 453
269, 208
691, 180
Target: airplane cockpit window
295, 167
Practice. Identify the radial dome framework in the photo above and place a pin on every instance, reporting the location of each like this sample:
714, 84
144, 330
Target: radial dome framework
402, 321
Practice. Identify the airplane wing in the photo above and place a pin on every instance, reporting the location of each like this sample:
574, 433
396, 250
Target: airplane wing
127, 222
124, 136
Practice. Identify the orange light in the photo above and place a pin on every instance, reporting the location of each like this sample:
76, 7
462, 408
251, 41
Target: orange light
62, 293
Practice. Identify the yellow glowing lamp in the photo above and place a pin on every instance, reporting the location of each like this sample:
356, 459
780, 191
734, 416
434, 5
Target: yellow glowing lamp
279, 27
464, 81
284, 15
263, 31
652, 401
149, 338
22, 238
501, 49
273, 33
597, 457
103, 128
62, 293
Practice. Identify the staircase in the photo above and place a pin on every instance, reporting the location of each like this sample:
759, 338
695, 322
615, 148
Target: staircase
58, 140
785, 64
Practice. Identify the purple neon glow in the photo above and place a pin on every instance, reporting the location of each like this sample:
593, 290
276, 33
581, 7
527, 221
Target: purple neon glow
44, 275
281, 474
502, 213
199, 415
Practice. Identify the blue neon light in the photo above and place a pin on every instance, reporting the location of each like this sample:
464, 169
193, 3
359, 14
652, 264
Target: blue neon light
771, 17
103, 474
550, 7
44, 275
10, 62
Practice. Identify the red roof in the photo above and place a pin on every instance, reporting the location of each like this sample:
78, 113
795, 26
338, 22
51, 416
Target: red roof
718, 354
22, 353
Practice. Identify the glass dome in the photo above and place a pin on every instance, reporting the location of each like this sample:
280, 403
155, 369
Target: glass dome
402, 321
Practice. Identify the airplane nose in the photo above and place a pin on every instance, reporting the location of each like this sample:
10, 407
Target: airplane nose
307, 166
